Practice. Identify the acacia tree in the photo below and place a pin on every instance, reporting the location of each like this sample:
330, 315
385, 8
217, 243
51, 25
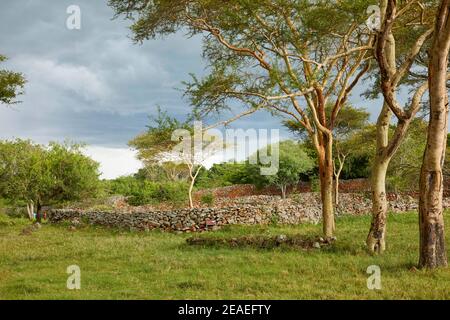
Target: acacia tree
11, 85
284, 56
174, 143
431, 220
396, 63
349, 128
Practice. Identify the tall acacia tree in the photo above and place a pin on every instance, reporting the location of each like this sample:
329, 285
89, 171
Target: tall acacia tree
285, 56
413, 24
431, 220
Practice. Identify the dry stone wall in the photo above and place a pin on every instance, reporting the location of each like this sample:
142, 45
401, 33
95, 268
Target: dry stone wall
305, 208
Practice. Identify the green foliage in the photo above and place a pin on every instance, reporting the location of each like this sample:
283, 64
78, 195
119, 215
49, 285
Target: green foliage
315, 184
158, 137
125, 186
142, 192
224, 174
46, 175
207, 199
11, 85
404, 169
293, 162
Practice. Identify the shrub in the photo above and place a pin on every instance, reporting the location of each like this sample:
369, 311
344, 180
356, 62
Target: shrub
207, 199
154, 193
315, 184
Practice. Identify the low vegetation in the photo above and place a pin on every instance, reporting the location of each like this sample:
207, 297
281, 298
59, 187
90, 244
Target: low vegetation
136, 265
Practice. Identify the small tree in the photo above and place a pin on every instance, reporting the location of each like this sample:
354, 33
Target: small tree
170, 141
350, 124
42, 175
11, 85
293, 162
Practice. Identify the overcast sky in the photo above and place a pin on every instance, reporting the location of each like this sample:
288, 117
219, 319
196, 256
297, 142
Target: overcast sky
95, 85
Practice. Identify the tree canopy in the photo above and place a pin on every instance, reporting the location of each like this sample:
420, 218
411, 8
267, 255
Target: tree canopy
11, 85
46, 175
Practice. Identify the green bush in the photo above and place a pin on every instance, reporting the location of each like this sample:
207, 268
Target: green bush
315, 184
147, 192
207, 199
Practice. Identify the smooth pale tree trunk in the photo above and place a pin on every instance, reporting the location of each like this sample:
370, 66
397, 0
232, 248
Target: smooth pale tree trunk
191, 201
376, 239
337, 176
30, 210
431, 220
191, 185
326, 187
283, 191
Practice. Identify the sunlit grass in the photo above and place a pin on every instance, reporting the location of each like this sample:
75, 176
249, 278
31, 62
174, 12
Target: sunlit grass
155, 265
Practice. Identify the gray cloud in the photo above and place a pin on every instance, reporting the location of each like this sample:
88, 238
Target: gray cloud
95, 85
92, 84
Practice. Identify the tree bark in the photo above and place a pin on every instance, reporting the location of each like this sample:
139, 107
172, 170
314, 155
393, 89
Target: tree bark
30, 210
283, 191
376, 239
431, 220
191, 185
326, 187
336, 190
38, 212
337, 175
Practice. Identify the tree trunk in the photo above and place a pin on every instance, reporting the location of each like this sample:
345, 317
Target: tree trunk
431, 220
337, 175
326, 188
283, 191
376, 240
38, 212
191, 187
30, 210
336, 190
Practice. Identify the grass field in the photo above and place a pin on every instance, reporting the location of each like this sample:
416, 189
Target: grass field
131, 265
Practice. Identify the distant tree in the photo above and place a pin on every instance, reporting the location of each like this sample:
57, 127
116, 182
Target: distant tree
41, 175
404, 168
293, 162
169, 141
11, 85
224, 174
346, 136
163, 172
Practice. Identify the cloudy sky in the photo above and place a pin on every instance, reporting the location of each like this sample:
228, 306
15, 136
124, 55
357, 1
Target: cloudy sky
95, 85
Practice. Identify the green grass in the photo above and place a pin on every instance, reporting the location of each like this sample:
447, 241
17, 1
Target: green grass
124, 265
